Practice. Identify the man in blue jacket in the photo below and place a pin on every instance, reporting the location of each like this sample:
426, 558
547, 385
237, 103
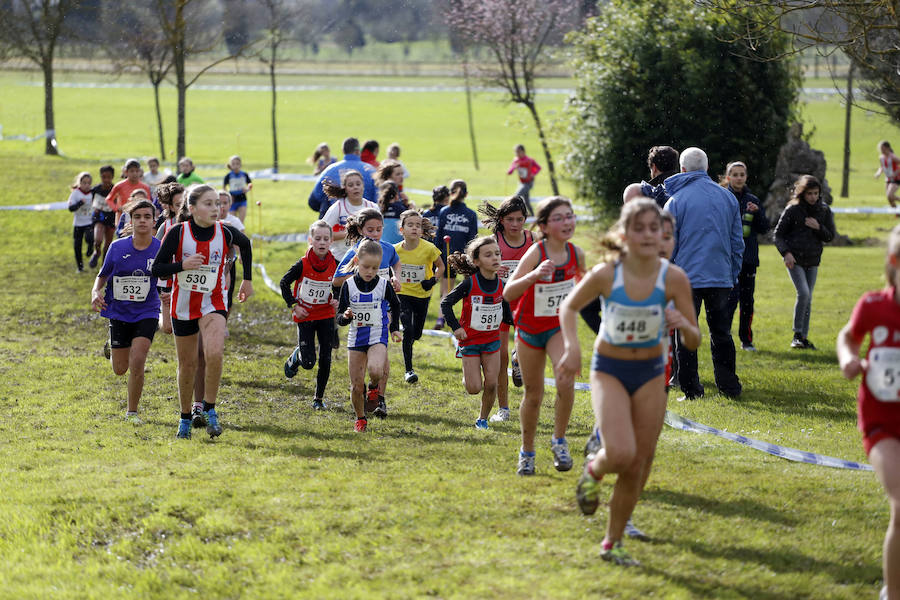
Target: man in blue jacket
319, 201
709, 246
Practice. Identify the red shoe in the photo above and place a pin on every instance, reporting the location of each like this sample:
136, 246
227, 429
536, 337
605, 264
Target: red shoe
361, 425
372, 399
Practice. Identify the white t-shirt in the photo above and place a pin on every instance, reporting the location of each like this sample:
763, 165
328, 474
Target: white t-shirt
336, 216
234, 222
154, 180
82, 216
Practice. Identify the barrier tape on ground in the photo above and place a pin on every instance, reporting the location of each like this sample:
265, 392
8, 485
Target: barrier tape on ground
50, 133
865, 210
678, 422
38, 207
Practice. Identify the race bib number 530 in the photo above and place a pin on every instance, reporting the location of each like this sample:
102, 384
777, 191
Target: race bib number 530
202, 279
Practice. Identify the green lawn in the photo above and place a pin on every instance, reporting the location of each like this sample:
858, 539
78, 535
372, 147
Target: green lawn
292, 503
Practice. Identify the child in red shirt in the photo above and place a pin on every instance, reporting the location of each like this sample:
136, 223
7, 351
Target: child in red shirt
526, 168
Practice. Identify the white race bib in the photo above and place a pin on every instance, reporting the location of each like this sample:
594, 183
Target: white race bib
132, 288
511, 266
549, 296
883, 374
385, 273
523, 172
366, 314
202, 279
84, 210
632, 324
486, 317
412, 273
314, 292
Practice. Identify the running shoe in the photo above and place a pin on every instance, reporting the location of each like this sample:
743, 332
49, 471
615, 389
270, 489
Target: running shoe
372, 399
516, 370
381, 410
501, 415
361, 425
94, 258
748, 347
106, 350
439, 323
797, 342
292, 364
635, 533
593, 445
481, 424
184, 429
587, 492
133, 418
198, 420
411, 377
318, 404
212, 423
619, 556
526, 464
562, 460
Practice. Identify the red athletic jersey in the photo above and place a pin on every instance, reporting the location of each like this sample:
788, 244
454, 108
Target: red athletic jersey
203, 290
482, 314
538, 309
878, 315
313, 289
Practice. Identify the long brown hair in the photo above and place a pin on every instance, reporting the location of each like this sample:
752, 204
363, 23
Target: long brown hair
803, 185
355, 223
493, 217
386, 170
612, 241
428, 229
465, 263
339, 190
547, 206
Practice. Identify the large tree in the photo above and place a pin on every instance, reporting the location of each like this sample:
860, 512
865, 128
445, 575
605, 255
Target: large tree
32, 29
517, 34
644, 80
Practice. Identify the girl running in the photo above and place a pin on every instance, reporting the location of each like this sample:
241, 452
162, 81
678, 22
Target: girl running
369, 305
349, 201
420, 268
238, 183
478, 328
104, 218
120, 194
321, 158
306, 288
627, 369
878, 315
194, 252
228, 217
889, 164
439, 196
546, 274
125, 293
460, 223
508, 224
170, 196
804, 227
80, 206
391, 208
368, 225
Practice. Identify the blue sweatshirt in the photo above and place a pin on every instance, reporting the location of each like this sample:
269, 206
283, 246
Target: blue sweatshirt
459, 222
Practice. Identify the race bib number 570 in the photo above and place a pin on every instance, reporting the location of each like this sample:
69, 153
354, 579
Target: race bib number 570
883, 374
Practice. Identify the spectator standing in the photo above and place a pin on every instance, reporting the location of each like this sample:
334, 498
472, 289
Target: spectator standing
663, 163
709, 247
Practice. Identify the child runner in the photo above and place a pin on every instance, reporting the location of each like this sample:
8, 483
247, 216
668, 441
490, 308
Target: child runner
546, 274
391, 208
393, 153
420, 268
80, 204
123, 229
459, 222
125, 293
889, 164
628, 365
392, 170
186, 174
153, 177
755, 224
104, 218
121, 192
439, 196
237, 183
804, 227
306, 288
227, 217
508, 224
194, 252
170, 197
349, 201
526, 168
478, 328
321, 158
369, 305
878, 315
368, 224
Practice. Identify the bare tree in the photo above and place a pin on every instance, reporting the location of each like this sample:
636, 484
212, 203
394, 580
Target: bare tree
516, 33
32, 29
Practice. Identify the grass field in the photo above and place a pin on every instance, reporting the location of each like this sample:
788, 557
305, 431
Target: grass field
291, 503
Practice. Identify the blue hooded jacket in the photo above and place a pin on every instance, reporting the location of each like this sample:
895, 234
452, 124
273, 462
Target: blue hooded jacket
709, 240
320, 202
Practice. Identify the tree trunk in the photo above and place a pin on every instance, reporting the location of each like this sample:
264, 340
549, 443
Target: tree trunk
469, 111
274, 107
845, 175
159, 122
180, 79
551, 170
50, 145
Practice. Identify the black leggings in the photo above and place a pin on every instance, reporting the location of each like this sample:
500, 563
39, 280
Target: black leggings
83, 234
413, 311
306, 333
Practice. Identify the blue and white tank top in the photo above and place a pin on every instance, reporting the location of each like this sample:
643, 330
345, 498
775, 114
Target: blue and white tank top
635, 323
370, 315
